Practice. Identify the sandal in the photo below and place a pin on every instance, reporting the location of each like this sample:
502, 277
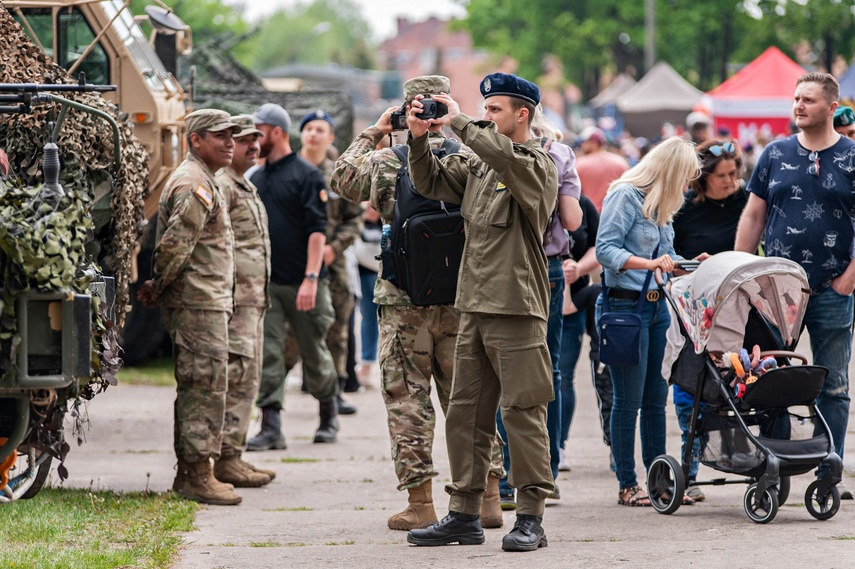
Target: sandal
633, 496
687, 500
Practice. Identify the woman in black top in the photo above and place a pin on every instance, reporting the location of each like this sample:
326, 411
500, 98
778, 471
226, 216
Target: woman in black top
707, 222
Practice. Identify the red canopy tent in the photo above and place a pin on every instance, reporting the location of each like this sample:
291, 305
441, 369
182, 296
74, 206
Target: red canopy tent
758, 99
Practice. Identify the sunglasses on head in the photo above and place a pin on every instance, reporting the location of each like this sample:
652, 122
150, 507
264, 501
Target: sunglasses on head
719, 149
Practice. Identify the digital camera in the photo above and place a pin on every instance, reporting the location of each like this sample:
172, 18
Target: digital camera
399, 118
430, 110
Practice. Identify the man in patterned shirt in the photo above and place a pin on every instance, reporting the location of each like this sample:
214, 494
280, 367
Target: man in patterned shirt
802, 202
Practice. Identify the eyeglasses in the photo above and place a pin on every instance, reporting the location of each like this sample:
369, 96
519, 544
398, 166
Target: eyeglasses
718, 149
814, 167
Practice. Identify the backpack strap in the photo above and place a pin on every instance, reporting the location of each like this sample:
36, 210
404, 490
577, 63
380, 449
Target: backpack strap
401, 151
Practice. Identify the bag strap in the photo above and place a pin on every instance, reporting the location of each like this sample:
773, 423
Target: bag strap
638, 303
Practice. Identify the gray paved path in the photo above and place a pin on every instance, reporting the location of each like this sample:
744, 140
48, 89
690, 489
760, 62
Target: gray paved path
329, 503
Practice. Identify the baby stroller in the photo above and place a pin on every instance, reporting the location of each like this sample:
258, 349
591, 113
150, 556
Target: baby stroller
760, 424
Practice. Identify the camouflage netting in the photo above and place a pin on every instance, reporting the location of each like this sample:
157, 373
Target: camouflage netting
223, 83
86, 153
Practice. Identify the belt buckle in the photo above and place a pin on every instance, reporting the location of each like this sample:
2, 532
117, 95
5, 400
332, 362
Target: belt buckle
652, 295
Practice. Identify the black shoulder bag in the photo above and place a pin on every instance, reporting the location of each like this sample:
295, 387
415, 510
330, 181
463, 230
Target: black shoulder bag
620, 332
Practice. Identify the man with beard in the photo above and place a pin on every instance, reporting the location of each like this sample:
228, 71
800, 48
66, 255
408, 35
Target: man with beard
295, 195
252, 273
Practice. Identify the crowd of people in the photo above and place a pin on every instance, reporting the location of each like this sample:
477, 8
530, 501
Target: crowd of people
263, 252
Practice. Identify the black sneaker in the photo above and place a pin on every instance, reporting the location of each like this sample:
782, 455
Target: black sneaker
450, 529
527, 534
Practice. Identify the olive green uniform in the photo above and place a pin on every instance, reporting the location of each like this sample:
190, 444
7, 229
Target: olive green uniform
246, 327
193, 268
507, 192
416, 342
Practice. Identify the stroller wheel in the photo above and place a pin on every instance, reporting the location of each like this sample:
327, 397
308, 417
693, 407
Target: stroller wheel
665, 484
822, 507
761, 509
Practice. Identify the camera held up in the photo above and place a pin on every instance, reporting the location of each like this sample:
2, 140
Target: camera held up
430, 110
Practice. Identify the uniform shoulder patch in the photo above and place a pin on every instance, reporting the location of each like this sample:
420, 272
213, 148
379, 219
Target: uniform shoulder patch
204, 194
324, 196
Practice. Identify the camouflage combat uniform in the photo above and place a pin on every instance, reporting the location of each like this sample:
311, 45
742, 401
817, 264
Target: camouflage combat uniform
246, 327
415, 341
344, 225
193, 268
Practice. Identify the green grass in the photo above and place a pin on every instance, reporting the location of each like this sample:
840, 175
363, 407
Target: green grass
157, 372
71, 529
295, 459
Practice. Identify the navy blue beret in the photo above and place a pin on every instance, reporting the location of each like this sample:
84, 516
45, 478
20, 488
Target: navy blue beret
510, 85
319, 115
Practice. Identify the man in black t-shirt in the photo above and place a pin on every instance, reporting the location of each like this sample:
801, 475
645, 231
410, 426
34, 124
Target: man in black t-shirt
294, 193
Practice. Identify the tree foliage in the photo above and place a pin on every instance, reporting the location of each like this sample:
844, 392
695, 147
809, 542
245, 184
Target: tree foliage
319, 32
699, 39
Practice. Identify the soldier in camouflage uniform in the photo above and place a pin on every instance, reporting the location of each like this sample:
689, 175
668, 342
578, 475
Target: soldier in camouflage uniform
246, 327
415, 342
344, 225
193, 267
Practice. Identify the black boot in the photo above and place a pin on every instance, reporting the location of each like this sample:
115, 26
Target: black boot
455, 527
527, 534
326, 432
270, 437
344, 407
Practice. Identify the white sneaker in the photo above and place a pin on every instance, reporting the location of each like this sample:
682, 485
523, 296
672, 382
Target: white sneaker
563, 465
845, 493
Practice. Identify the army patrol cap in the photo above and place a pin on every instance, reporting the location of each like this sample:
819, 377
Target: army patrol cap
426, 85
247, 125
212, 120
274, 115
511, 86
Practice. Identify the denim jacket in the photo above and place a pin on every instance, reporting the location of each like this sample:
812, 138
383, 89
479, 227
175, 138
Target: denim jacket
625, 232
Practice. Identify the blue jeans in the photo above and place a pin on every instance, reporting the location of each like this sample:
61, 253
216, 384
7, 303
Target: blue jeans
639, 387
368, 310
829, 322
571, 344
553, 343
684, 417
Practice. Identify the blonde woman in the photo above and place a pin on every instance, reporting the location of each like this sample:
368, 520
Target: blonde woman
634, 224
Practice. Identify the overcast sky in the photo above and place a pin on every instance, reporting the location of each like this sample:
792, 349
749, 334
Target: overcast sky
381, 15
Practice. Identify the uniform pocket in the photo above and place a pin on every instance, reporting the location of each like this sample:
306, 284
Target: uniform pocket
527, 373
499, 214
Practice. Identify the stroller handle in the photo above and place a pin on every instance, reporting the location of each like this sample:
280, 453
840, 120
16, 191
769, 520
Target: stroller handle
784, 354
685, 265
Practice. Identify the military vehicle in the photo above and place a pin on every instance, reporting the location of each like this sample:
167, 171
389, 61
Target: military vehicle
103, 39
71, 208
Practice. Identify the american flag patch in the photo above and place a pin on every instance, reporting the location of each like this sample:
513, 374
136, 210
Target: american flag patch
204, 195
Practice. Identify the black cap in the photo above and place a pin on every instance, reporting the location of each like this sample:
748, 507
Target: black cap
510, 85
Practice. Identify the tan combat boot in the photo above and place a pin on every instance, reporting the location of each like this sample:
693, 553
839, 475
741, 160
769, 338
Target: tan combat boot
268, 471
235, 471
201, 485
181, 476
491, 509
419, 513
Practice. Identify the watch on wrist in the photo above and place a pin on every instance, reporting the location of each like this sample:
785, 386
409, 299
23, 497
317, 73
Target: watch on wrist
312, 277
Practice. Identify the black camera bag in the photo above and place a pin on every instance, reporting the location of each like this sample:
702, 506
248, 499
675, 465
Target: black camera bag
427, 238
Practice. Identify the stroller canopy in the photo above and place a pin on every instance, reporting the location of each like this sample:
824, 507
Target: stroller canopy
714, 301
